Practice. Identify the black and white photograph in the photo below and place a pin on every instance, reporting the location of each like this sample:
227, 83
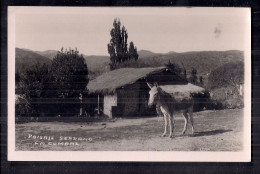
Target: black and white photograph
129, 84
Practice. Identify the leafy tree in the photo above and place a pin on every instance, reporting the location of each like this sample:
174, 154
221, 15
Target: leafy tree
184, 71
118, 47
69, 79
125, 54
133, 51
32, 89
193, 78
229, 74
54, 90
174, 67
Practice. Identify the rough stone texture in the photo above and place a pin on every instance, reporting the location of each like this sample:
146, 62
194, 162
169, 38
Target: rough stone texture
128, 100
131, 102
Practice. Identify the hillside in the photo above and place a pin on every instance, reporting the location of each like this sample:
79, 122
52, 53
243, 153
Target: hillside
97, 65
93, 61
96, 61
203, 61
25, 59
146, 53
48, 53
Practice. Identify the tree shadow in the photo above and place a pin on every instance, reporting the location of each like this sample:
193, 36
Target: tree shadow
208, 133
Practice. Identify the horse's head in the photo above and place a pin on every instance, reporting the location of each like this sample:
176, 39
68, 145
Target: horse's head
154, 94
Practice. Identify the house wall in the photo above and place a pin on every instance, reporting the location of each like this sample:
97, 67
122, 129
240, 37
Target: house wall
128, 100
109, 101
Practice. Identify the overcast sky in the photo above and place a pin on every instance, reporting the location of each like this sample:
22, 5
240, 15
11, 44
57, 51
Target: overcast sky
156, 29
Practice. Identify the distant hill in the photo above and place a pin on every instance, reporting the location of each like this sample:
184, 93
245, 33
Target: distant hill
25, 59
48, 53
171, 52
146, 53
93, 61
97, 65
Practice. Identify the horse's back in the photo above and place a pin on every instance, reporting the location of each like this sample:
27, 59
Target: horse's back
182, 106
177, 103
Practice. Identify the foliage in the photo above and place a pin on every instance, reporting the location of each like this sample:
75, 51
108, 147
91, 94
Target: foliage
133, 51
70, 73
224, 83
230, 74
53, 90
173, 67
193, 79
227, 97
118, 48
140, 63
32, 86
17, 79
69, 79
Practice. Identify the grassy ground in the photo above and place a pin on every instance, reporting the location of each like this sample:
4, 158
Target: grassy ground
214, 131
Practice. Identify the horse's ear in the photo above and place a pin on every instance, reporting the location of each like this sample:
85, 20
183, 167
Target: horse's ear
156, 85
149, 85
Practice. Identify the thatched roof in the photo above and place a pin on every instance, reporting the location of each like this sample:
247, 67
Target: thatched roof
182, 91
107, 83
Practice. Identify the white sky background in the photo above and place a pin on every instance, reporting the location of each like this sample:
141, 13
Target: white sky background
156, 29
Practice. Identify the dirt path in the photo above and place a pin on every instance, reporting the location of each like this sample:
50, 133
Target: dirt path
214, 131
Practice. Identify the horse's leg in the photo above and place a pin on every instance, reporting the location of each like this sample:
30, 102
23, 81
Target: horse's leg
191, 119
171, 122
165, 124
185, 116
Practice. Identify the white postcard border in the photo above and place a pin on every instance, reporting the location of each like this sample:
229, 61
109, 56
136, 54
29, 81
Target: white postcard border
242, 156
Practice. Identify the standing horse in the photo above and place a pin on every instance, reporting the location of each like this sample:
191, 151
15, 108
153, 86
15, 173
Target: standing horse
170, 106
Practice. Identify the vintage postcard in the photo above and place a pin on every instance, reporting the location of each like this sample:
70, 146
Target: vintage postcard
129, 84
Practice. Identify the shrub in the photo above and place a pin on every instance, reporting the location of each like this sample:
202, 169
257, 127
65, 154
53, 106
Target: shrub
32, 88
230, 74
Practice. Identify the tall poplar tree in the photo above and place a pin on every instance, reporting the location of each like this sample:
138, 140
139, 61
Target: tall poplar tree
133, 51
118, 46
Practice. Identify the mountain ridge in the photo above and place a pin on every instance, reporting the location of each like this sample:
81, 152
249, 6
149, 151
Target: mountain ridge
203, 61
24, 59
